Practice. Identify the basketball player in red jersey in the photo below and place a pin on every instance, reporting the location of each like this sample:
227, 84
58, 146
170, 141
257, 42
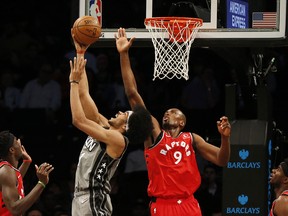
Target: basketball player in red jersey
12, 198
170, 154
279, 180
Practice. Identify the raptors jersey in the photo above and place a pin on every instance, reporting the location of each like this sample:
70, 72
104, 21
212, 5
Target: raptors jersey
284, 193
19, 184
92, 180
172, 167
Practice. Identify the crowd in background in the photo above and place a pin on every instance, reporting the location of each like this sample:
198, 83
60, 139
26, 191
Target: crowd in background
34, 103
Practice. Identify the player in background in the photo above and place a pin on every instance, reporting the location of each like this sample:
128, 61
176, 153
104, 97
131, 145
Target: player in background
12, 197
279, 181
170, 153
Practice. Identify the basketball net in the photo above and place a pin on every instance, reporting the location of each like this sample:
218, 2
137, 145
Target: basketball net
172, 38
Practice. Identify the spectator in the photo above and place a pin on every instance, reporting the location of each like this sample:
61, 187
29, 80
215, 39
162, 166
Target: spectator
35, 211
42, 92
199, 100
133, 184
9, 92
209, 194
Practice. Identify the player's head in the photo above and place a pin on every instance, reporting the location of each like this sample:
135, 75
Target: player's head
139, 125
279, 175
173, 118
6, 142
120, 121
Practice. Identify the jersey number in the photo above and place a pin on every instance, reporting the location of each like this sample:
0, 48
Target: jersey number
177, 156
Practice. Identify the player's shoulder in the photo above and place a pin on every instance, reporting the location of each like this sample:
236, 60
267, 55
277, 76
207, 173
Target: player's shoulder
285, 193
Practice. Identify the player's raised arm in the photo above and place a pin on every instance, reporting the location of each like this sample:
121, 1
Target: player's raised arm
130, 85
89, 106
123, 45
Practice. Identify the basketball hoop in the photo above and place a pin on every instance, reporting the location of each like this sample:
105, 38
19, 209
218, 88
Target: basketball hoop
172, 38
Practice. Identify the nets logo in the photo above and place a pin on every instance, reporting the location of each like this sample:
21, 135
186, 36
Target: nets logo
243, 200
244, 154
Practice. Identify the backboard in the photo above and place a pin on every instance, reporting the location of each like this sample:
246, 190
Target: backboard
250, 21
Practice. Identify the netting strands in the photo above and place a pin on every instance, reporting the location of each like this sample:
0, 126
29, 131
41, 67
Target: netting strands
172, 38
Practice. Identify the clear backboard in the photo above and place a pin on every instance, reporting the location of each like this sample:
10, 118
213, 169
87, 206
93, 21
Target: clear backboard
251, 21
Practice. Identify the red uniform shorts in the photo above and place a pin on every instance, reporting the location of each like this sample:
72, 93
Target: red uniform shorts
175, 207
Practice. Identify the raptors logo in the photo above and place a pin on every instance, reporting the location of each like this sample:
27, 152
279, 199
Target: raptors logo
95, 9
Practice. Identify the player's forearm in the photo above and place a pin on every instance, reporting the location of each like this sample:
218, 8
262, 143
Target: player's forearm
22, 205
24, 167
129, 81
127, 73
224, 152
76, 108
83, 84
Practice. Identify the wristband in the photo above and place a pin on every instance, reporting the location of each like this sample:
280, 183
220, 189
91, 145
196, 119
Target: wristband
80, 52
28, 161
74, 81
41, 183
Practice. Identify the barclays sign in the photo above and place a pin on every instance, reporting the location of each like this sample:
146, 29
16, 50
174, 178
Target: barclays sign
244, 209
243, 155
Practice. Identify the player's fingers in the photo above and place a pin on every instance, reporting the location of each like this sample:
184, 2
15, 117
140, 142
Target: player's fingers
124, 33
131, 41
119, 33
50, 169
75, 62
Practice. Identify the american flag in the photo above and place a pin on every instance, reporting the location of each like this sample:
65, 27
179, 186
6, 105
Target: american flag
264, 20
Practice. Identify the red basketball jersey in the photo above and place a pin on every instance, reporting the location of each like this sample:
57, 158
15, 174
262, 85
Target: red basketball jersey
3, 210
284, 193
172, 167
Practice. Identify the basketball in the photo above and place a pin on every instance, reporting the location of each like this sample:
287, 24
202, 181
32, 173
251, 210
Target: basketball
87, 30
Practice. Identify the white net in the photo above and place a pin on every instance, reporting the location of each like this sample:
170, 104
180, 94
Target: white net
172, 38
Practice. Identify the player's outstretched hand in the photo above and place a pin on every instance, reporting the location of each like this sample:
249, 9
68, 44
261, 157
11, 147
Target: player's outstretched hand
224, 126
43, 172
80, 48
122, 43
77, 68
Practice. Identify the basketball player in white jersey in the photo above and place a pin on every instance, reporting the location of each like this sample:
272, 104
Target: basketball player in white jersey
105, 144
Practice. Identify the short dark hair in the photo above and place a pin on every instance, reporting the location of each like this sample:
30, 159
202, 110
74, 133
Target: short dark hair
284, 166
140, 125
6, 141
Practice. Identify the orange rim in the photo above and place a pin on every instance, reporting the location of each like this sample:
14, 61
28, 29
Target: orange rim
188, 25
166, 21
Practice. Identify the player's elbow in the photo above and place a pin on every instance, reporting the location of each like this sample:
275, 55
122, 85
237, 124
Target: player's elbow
78, 121
16, 213
14, 210
223, 161
134, 98
131, 93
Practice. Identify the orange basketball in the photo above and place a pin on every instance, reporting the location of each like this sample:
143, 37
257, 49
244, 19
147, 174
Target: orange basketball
87, 30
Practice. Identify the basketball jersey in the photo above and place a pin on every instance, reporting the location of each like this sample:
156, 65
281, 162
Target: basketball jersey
284, 193
172, 167
94, 170
20, 187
